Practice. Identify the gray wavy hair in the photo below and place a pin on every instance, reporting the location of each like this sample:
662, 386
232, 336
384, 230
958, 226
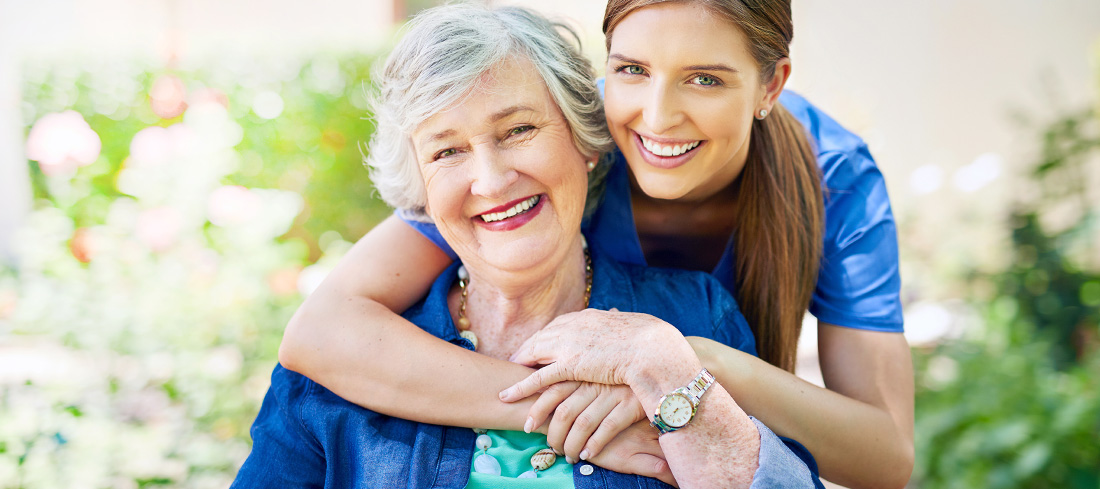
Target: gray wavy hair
440, 60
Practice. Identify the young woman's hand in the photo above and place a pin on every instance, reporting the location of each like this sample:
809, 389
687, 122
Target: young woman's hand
636, 451
583, 417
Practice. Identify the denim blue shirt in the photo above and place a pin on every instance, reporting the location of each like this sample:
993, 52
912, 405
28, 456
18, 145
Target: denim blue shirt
858, 285
307, 436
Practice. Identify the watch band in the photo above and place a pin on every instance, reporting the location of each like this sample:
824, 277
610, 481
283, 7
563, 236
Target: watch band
693, 392
697, 387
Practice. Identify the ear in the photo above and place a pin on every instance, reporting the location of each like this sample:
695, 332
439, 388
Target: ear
774, 87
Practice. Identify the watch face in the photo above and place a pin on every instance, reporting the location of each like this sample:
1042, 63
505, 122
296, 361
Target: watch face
676, 410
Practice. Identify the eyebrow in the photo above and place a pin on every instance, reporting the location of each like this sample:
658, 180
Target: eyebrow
718, 67
711, 67
500, 114
437, 136
625, 59
496, 116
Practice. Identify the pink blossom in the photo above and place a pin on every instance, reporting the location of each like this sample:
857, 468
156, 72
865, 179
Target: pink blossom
84, 245
168, 97
60, 142
210, 95
157, 146
233, 204
158, 228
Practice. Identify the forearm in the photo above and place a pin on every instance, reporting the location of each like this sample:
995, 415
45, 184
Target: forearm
719, 448
372, 357
855, 443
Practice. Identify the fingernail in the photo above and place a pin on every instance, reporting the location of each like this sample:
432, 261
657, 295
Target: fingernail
570, 460
584, 454
527, 425
505, 393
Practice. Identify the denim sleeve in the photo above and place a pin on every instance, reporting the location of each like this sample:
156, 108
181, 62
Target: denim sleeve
779, 466
283, 454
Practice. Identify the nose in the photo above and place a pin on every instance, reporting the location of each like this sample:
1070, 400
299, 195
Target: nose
661, 110
492, 173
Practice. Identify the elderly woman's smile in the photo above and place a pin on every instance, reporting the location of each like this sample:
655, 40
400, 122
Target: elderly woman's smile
512, 215
504, 180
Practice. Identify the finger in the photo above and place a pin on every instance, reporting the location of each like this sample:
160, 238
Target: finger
546, 403
618, 419
566, 414
643, 464
525, 348
539, 348
587, 423
648, 465
545, 376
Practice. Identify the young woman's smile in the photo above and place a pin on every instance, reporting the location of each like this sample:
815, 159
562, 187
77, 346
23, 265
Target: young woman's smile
680, 104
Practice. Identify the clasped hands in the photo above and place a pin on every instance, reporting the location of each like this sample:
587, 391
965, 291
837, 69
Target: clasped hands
600, 371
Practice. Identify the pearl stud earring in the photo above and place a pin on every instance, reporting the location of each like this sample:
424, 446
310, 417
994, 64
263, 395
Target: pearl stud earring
762, 114
591, 165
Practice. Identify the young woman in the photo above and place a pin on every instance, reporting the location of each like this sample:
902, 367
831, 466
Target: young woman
722, 178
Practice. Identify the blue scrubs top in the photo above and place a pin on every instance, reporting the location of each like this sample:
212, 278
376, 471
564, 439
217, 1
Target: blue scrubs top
858, 285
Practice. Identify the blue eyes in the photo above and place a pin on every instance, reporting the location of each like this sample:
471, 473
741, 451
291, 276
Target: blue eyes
698, 79
706, 80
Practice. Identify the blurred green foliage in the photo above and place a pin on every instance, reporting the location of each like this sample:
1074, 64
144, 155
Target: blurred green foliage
140, 326
313, 147
1017, 403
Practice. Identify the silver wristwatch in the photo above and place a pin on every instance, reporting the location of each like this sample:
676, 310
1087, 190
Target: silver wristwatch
675, 409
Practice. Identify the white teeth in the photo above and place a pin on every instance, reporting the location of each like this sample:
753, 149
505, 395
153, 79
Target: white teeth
519, 208
663, 150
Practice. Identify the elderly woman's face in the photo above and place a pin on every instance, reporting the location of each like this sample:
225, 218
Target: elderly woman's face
505, 183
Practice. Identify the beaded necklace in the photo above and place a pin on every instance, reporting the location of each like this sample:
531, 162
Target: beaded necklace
463, 323
485, 463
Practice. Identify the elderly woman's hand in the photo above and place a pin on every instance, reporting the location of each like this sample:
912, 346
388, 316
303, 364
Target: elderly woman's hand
586, 416
606, 347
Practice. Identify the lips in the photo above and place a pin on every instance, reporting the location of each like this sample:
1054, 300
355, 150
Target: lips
511, 215
666, 154
512, 211
661, 149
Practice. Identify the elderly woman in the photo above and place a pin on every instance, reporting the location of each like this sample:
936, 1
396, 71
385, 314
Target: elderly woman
489, 124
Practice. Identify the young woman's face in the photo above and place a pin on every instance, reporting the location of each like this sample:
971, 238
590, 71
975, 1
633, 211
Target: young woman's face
680, 94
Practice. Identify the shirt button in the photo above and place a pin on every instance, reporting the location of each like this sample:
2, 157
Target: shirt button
586, 469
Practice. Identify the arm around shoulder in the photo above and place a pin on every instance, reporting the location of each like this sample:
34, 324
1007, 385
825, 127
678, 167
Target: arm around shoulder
347, 337
388, 270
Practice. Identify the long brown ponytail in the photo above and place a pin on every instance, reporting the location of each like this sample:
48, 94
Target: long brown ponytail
780, 209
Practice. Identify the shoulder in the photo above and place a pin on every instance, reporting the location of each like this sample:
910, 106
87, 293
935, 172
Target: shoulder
694, 302
858, 284
842, 155
431, 313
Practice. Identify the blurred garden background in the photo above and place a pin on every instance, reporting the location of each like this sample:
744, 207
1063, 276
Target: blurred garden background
176, 175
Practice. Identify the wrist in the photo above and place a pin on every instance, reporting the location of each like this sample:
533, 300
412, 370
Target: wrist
665, 361
651, 384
